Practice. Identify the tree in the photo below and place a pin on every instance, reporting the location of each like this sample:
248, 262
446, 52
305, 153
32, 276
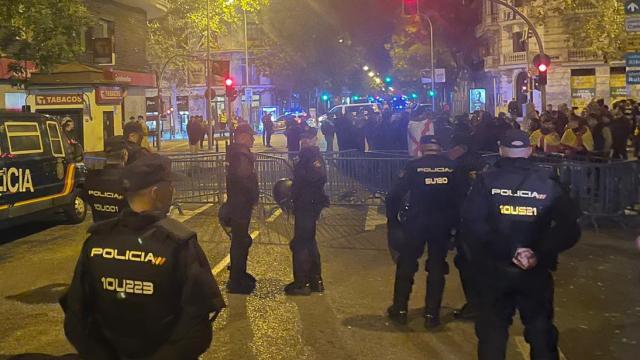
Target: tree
42, 31
409, 48
306, 50
182, 31
598, 25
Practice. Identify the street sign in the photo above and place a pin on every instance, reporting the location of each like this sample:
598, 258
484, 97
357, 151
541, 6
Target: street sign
632, 59
633, 77
632, 7
441, 76
632, 23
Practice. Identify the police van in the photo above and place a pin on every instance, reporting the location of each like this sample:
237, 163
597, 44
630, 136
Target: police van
36, 173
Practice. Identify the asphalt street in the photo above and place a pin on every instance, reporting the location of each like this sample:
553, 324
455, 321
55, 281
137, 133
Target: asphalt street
597, 297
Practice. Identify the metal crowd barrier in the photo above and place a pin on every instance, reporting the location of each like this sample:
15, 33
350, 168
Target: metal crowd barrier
605, 188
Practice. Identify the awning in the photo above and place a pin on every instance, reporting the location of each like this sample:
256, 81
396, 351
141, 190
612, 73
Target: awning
73, 74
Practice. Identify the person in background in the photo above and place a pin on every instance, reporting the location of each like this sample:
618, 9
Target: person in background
194, 133
145, 133
601, 132
621, 131
514, 108
577, 139
133, 137
73, 148
545, 139
267, 125
328, 129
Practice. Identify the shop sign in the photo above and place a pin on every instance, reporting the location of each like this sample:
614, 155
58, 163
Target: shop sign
59, 99
109, 95
583, 90
183, 103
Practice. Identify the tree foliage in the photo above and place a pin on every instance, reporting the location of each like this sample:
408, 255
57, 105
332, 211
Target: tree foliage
182, 30
410, 51
307, 50
42, 31
594, 24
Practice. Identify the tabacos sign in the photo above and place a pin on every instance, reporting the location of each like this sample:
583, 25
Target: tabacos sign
14, 180
109, 95
59, 99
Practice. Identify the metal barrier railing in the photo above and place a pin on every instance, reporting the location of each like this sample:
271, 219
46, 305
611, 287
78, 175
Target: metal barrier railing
604, 187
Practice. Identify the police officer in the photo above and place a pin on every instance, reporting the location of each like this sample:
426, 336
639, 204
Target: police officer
516, 220
103, 187
242, 195
309, 178
434, 184
142, 287
133, 135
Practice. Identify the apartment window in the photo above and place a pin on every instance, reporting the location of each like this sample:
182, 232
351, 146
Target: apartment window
519, 43
101, 36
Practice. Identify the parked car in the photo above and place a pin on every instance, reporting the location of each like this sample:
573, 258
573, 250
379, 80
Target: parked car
280, 124
341, 110
36, 173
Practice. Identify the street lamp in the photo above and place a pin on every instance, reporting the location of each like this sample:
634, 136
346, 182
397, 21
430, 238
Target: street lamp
372, 74
365, 68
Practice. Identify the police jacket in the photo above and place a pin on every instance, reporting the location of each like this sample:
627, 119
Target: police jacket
104, 193
435, 185
514, 205
141, 285
309, 178
243, 192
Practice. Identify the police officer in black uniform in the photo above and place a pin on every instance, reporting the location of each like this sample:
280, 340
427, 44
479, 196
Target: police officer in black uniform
309, 198
434, 183
242, 195
142, 287
103, 187
133, 135
516, 220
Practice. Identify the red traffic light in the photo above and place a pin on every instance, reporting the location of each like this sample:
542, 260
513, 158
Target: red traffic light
410, 7
228, 82
542, 68
542, 62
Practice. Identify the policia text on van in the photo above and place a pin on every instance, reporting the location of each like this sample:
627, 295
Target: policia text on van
36, 175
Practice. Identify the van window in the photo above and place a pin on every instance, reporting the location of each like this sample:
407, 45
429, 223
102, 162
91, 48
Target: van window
56, 140
23, 137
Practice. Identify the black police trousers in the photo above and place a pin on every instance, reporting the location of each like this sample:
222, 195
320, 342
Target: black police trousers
502, 291
240, 243
467, 279
437, 242
304, 247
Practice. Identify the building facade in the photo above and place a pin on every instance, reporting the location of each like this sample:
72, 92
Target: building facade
576, 76
189, 98
107, 84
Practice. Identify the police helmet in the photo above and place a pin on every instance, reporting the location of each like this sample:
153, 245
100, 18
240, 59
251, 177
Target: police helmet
282, 194
224, 217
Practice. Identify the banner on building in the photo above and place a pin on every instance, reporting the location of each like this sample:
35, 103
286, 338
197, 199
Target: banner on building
183, 103
618, 86
583, 90
196, 73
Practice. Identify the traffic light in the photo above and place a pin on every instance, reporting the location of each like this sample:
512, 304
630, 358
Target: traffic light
542, 62
410, 7
432, 93
388, 79
414, 96
325, 97
230, 90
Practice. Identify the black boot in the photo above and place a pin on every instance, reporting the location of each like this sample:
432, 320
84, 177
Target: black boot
241, 286
317, 285
397, 314
297, 289
466, 312
431, 321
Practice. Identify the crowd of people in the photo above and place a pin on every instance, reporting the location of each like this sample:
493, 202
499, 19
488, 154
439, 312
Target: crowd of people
598, 131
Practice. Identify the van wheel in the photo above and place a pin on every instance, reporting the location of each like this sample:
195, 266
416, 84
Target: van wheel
76, 212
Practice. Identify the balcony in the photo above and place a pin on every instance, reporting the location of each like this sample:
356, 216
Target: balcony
582, 55
489, 22
154, 8
514, 58
491, 62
